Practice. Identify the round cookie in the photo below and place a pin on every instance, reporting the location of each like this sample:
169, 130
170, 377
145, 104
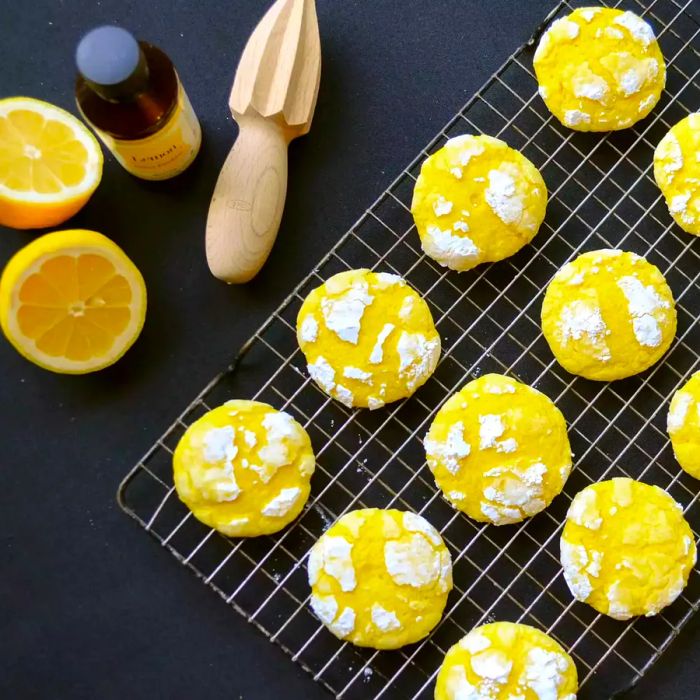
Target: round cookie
599, 69
507, 661
477, 200
626, 548
684, 425
677, 172
244, 469
499, 450
380, 578
368, 338
608, 315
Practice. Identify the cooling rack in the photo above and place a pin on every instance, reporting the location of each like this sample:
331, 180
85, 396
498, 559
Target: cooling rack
602, 195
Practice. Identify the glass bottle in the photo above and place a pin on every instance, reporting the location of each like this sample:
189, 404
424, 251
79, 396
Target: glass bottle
130, 93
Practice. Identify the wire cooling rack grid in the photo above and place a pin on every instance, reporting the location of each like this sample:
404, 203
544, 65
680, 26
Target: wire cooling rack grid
602, 195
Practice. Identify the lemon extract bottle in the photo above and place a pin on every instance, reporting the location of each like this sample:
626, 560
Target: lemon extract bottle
130, 93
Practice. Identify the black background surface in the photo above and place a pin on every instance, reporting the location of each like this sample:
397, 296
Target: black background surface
90, 606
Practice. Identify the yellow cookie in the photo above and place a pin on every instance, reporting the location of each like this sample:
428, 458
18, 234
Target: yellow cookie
507, 661
608, 315
626, 548
677, 172
684, 426
368, 338
599, 69
380, 578
499, 450
477, 200
244, 469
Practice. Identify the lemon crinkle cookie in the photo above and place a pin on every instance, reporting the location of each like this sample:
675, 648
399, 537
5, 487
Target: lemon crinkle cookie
677, 172
244, 468
368, 338
608, 315
599, 69
626, 548
684, 425
507, 661
477, 200
499, 450
380, 578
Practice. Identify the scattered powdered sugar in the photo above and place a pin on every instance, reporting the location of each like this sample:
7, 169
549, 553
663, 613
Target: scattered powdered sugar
574, 117
384, 620
491, 427
418, 356
447, 249
616, 608
474, 642
459, 687
587, 84
670, 150
219, 444
507, 446
377, 354
584, 510
373, 403
574, 559
282, 503
462, 226
325, 607
589, 13
502, 196
631, 82
679, 410
679, 203
218, 482
249, 438
388, 279
581, 319
544, 673
457, 172
593, 567
441, 206
636, 26
416, 523
492, 664
345, 623
412, 561
565, 29
642, 302
452, 450
334, 556
498, 387
322, 373
358, 374
344, 395
308, 331
407, 306
499, 514
343, 315
467, 146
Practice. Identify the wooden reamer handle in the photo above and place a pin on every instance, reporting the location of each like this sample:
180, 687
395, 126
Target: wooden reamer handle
246, 208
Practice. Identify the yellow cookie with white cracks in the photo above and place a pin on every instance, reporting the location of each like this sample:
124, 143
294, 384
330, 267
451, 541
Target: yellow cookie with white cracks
677, 172
600, 69
608, 315
507, 661
380, 578
626, 548
244, 469
477, 200
684, 426
368, 338
499, 450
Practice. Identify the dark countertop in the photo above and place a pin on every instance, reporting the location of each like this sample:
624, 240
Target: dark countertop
90, 607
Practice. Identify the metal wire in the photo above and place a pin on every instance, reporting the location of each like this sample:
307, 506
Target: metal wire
602, 194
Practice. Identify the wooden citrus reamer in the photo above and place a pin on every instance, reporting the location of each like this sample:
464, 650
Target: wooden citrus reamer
272, 100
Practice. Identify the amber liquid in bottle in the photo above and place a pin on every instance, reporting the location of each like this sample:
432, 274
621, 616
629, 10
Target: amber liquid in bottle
146, 120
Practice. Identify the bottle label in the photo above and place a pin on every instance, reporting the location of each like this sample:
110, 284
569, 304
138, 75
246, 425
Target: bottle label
165, 153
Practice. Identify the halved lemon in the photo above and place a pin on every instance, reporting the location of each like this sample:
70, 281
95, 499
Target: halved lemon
72, 301
50, 163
